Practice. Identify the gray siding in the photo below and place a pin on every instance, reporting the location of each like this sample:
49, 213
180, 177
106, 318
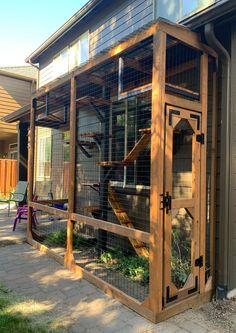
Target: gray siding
232, 200
106, 28
124, 20
46, 74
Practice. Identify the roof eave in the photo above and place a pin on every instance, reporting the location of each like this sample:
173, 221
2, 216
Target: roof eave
210, 14
77, 17
16, 76
17, 115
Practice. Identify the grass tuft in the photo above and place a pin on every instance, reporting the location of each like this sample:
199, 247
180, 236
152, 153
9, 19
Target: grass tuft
18, 315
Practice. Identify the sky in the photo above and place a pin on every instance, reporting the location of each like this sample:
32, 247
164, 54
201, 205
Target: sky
26, 24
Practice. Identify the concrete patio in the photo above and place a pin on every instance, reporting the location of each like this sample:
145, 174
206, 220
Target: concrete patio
73, 302
7, 236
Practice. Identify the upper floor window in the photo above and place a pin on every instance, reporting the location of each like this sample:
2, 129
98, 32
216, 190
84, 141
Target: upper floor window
175, 10
72, 56
60, 63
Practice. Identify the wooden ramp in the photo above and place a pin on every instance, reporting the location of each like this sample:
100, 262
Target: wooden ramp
135, 151
139, 146
139, 247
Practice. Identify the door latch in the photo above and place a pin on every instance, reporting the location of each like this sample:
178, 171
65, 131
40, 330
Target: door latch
199, 262
166, 202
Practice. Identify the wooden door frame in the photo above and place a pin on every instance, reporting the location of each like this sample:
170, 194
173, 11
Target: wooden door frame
170, 292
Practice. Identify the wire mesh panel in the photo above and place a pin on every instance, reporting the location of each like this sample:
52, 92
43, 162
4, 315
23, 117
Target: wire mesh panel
51, 167
114, 261
50, 230
113, 160
182, 69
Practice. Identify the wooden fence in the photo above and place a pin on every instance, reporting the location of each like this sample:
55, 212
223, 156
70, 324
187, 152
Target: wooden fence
8, 175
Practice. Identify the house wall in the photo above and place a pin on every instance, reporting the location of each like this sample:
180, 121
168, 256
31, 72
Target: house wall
232, 189
14, 93
110, 24
4, 146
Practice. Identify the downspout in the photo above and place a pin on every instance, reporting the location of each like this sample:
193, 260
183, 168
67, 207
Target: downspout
225, 166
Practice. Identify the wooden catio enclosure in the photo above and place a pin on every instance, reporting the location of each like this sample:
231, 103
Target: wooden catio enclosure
123, 164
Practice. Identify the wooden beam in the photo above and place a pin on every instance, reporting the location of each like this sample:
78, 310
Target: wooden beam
99, 60
31, 165
93, 78
184, 90
135, 64
185, 35
104, 286
203, 100
139, 247
112, 227
51, 210
51, 202
117, 50
186, 304
187, 66
177, 31
44, 249
57, 83
69, 258
157, 171
114, 292
182, 102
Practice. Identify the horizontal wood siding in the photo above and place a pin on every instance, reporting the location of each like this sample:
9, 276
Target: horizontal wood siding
14, 93
106, 28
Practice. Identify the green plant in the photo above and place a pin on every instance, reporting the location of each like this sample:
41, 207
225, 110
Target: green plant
181, 257
58, 238
134, 267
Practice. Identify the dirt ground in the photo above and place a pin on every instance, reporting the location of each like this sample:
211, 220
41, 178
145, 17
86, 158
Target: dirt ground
222, 314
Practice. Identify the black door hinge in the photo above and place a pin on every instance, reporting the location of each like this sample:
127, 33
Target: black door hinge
170, 298
199, 262
166, 202
200, 138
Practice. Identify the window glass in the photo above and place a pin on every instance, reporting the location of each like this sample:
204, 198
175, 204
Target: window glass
43, 157
64, 62
56, 66
175, 10
84, 48
72, 56
128, 120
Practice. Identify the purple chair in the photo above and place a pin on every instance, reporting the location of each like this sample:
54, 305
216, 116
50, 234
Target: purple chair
22, 214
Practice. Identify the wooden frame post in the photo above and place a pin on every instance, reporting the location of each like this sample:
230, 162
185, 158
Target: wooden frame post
204, 102
69, 258
157, 171
31, 166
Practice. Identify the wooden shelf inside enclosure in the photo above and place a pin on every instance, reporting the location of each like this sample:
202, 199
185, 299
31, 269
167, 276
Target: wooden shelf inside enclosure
85, 100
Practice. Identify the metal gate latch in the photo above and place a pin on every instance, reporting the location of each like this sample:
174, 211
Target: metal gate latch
166, 202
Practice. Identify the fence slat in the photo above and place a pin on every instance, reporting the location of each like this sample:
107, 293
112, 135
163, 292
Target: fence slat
8, 175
